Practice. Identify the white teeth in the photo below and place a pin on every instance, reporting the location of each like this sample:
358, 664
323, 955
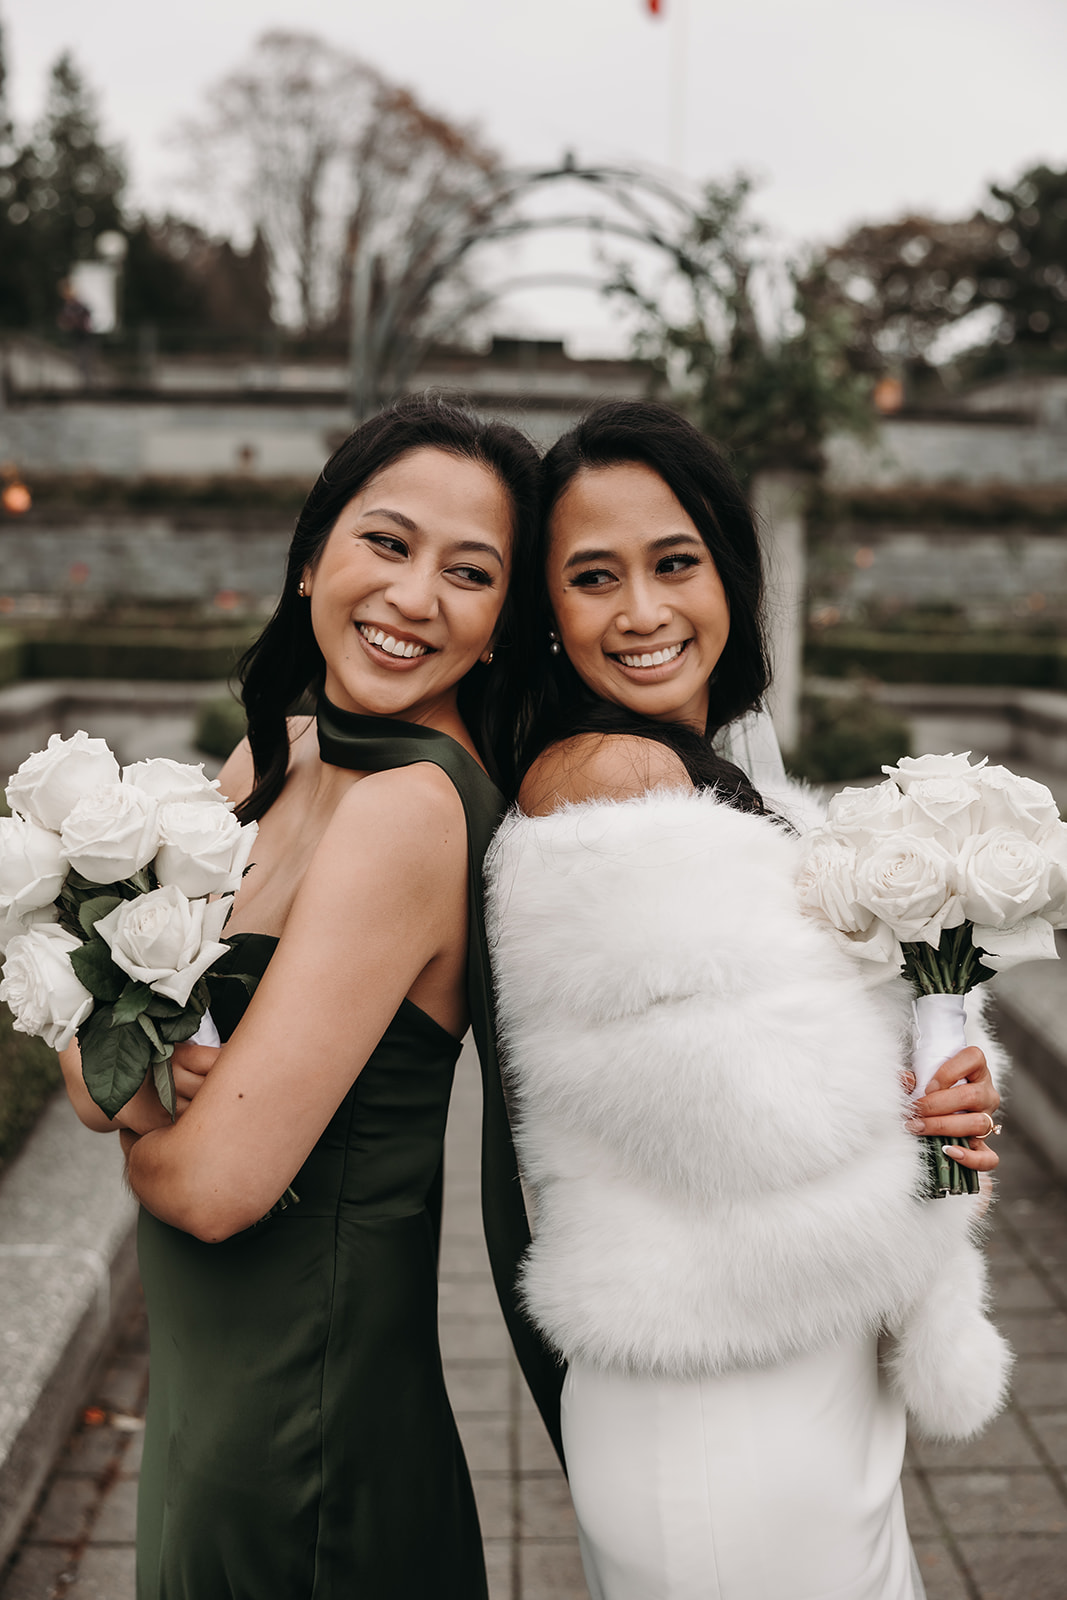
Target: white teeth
658, 659
391, 646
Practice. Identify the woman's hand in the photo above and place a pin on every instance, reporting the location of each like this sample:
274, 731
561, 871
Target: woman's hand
959, 1101
191, 1064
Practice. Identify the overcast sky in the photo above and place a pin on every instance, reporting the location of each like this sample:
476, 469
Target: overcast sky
847, 110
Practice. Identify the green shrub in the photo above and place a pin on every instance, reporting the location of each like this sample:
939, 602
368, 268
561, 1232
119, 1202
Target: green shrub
997, 660
847, 736
220, 725
88, 652
11, 658
29, 1076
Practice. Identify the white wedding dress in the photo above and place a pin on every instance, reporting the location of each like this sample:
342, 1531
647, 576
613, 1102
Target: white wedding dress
777, 1483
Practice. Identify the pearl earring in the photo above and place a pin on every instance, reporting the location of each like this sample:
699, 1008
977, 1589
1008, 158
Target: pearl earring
301, 591
554, 645
488, 658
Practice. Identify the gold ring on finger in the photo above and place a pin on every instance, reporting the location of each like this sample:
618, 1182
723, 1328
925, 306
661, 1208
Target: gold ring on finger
994, 1127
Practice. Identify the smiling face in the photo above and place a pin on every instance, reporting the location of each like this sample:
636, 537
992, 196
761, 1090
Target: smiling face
640, 609
409, 586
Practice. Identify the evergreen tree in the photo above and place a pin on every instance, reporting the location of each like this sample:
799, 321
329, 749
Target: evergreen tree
74, 192
16, 254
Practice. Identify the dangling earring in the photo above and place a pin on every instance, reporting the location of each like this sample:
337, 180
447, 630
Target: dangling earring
554, 645
487, 658
301, 591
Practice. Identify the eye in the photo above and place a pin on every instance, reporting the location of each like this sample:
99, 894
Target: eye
593, 578
386, 543
681, 561
476, 576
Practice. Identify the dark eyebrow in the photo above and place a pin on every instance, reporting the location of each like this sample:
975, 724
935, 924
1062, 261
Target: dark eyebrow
580, 557
483, 549
394, 516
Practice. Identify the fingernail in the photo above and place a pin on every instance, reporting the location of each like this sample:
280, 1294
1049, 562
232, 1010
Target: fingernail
915, 1125
954, 1149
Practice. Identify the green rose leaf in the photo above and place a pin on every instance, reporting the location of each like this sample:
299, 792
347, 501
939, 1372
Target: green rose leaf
95, 968
175, 1030
130, 1003
90, 911
159, 1048
114, 1060
163, 1078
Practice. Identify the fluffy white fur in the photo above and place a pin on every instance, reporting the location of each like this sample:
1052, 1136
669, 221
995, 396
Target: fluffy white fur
709, 1112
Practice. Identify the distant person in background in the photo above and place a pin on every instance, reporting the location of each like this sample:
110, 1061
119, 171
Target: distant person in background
74, 320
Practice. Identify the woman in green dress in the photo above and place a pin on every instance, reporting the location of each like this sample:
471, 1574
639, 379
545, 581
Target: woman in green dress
300, 1443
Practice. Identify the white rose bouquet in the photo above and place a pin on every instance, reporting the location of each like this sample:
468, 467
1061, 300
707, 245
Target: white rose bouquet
950, 872
107, 921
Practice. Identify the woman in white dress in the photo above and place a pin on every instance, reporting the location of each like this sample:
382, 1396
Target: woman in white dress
728, 1248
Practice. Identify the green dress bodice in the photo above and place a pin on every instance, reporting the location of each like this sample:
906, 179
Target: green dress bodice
299, 1443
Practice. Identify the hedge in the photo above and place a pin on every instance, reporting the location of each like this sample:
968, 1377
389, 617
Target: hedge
220, 726
136, 653
845, 737
12, 663
29, 1076
998, 661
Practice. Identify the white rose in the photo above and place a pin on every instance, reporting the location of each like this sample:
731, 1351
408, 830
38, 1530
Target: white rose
826, 883
12, 925
48, 784
1009, 801
202, 849
1003, 878
876, 944
945, 808
911, 769
170, 781
909, 882
111, 833
33, 865
864, 814
165, 940
1054, 844
42, 988
1029, 940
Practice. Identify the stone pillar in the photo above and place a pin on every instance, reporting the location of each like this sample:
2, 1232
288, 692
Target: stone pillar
779, 499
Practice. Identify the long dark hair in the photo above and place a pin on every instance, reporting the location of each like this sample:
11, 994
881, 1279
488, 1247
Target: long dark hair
285, 663
541, 698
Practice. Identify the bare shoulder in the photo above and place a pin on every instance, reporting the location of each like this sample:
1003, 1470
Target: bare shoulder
599, 766
413, 816
238, 774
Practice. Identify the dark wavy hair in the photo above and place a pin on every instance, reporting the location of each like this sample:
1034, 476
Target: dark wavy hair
540, 698
285, 665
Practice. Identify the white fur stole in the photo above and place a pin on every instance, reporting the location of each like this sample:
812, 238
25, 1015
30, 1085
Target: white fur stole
709, 1112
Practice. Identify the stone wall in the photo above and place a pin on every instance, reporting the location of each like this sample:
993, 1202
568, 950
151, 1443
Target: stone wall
991, 575
122, 556
979, 448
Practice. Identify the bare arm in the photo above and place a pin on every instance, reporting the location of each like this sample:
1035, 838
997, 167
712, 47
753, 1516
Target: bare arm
385, 895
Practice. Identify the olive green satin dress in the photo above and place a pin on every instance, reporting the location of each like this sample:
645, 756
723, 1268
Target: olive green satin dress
299, 1442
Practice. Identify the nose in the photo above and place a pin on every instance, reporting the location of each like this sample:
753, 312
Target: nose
643, 610
413, 591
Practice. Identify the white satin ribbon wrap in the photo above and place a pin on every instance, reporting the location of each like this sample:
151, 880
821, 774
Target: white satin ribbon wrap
939, 1033
207, 1033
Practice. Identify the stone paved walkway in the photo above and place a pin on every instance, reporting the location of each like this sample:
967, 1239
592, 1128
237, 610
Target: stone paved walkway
989, 1520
